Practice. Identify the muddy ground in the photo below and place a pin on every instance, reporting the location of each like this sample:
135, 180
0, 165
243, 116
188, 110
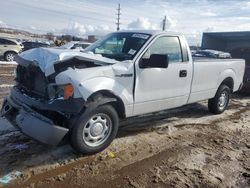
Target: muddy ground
185, 147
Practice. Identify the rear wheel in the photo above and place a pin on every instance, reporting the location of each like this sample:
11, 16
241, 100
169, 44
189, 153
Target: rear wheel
9, 56
219, 103
95, 130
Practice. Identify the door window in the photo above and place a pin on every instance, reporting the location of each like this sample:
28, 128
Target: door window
166, 46
6, 42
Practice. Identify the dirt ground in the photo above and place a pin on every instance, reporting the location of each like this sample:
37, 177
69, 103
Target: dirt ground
184, 147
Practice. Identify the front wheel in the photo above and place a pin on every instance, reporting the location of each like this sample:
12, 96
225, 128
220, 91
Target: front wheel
95, 130
9, 56
219, 103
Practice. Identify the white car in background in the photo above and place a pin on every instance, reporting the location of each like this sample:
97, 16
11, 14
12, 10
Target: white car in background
9, 48
75, 45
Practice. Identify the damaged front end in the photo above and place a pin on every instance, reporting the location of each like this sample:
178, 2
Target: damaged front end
32, 123
38, 106
42, 104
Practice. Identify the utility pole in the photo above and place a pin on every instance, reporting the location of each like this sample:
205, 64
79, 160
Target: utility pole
118, 17
164, 23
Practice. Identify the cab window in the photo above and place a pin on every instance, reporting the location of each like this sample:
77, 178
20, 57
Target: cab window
6, 42
166, 46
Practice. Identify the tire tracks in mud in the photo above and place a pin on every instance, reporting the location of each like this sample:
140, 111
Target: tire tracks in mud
81, 162
140, 173
165, 118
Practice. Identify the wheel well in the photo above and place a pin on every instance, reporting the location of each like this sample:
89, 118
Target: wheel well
229, 82
118, 104
8, 52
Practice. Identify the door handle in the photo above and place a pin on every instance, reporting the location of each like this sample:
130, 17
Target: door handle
183, 73
5, 46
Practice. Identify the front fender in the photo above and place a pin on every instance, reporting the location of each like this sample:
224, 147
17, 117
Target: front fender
88, 87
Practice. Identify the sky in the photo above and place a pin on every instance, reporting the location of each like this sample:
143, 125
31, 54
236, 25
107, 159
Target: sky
98, 17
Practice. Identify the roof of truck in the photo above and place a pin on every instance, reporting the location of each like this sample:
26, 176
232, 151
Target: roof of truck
151, 32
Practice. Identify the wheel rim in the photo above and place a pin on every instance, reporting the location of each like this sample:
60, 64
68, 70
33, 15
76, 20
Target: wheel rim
223, 100
10, 57
97, 130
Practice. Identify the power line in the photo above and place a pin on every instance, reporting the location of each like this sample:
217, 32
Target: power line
85, 17
118, 17
164, 23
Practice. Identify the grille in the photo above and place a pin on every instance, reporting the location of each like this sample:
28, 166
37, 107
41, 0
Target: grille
32, 80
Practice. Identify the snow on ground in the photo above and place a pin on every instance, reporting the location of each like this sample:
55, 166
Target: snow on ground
7, 63
6, 85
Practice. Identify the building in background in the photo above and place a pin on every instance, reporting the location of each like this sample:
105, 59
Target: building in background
236, 43
91, 38
226, 41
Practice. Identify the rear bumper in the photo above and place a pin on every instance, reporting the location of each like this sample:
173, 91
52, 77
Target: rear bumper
32, 123
246, 84
240, 87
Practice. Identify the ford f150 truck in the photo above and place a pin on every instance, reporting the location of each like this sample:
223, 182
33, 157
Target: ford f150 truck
130, 73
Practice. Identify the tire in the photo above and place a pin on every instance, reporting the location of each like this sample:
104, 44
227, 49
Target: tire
9, 56
89, 136
219, 103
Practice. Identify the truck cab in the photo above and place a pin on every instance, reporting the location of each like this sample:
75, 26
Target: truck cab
160, 87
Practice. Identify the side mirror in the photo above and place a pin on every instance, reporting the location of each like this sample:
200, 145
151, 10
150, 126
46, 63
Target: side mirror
155, 61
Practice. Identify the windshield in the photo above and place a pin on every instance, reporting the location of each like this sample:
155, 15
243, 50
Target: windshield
119, 46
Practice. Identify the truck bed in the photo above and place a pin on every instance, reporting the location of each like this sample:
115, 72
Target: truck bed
205, 70
204, 59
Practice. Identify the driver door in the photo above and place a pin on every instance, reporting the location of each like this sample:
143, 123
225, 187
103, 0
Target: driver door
162, 88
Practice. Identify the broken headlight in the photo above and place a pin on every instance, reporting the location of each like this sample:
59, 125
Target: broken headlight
60, 91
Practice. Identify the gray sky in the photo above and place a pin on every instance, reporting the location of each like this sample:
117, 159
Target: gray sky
83, 17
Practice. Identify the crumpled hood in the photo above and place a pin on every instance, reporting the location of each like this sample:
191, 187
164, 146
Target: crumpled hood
45, 58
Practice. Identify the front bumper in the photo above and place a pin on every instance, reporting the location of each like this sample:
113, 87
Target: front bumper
19, 110
32, 123
72, 106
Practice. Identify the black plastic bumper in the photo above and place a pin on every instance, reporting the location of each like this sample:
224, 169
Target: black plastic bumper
72, 106
32, 123
18, 109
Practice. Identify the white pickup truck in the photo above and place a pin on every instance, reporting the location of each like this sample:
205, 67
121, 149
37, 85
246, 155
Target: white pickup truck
125, 74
